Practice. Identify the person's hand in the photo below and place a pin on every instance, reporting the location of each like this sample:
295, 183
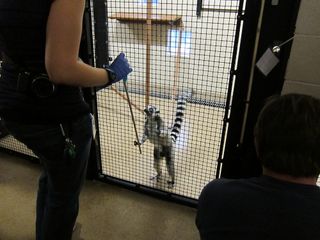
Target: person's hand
119, 69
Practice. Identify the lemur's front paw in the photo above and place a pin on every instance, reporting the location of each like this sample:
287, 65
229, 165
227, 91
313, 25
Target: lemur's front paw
136, 143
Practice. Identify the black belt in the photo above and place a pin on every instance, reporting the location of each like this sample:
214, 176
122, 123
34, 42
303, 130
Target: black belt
34, 82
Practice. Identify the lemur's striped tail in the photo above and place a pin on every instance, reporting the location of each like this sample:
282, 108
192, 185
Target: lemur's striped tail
181, 107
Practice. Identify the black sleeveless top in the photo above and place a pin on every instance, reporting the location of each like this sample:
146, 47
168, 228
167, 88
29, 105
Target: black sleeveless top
22, 41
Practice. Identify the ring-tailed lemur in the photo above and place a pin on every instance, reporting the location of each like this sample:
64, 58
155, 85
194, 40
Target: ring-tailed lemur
162, 137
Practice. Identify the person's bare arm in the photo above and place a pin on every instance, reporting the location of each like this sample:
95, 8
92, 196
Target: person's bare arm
63, 37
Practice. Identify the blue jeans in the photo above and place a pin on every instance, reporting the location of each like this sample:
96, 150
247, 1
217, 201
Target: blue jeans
62, 177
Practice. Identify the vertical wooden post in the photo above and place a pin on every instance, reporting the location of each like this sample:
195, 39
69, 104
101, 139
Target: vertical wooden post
177, 62
148, 53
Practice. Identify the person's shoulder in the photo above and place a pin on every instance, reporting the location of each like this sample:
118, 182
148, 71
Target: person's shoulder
217, 186
222, 183
224, 187
222, 193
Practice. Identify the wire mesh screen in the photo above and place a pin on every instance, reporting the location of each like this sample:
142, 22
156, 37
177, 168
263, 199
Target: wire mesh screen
10, 143
178, 58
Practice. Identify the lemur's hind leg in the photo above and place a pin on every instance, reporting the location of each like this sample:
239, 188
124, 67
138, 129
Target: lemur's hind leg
169, 155
156, 163
170, 168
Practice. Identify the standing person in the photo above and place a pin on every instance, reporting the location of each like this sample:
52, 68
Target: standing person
284, 203
41, 102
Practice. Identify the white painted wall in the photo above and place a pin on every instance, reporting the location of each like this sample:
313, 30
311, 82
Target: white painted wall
303, 71
205, 71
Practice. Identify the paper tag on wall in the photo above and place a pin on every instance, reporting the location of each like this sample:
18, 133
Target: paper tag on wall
267, 62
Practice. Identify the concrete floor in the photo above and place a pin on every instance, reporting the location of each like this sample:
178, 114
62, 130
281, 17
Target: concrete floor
106, 211
196, 149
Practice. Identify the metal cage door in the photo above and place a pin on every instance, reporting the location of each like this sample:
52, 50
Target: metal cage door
190, 49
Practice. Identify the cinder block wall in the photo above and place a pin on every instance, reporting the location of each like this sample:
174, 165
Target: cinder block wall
303, 71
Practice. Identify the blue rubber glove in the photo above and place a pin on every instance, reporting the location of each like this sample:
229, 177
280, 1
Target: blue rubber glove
119, 69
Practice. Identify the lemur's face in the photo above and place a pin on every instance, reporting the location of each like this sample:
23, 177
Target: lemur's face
151, 111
